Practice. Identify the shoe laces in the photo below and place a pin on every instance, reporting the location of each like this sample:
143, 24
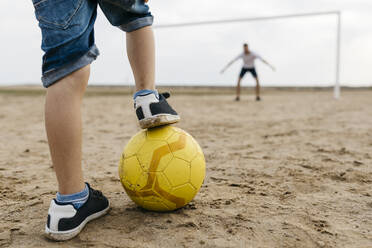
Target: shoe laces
97, 193
165, 95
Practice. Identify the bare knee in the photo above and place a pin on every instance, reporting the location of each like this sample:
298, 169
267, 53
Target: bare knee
74, 84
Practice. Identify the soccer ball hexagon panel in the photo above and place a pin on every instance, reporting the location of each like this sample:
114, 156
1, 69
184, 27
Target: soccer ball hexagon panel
162, 169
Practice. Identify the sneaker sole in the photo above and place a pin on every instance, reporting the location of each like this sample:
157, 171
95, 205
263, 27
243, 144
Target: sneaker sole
66, 235
158, 120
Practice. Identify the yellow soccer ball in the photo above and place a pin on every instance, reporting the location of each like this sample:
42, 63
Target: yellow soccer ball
162, 169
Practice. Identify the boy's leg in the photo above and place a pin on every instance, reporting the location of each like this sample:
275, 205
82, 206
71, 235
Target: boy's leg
141, 55
76, 202
64, 129
152, 109
68, 42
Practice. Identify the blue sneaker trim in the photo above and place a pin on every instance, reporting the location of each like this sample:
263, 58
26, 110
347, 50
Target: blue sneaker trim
77, 199
146, 92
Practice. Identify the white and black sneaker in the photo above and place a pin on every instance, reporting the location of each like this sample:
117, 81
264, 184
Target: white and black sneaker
65, 222
153, 110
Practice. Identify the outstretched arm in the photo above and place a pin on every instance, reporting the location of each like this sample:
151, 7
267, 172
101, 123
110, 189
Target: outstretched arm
229, 64
268, 64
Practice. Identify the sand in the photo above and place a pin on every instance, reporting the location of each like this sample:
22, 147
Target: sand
294, 170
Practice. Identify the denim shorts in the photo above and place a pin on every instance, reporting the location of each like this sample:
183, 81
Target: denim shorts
67, 28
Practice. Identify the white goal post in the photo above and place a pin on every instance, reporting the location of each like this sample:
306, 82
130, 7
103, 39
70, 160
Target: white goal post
329, 13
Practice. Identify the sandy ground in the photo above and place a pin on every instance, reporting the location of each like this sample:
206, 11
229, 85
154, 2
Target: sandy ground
292, 171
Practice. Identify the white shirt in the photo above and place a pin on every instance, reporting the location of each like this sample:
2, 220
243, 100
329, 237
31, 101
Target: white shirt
248, 59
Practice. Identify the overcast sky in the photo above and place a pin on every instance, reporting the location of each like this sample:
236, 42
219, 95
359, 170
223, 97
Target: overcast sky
302, 49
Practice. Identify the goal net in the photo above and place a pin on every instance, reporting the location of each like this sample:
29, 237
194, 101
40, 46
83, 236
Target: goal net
304, 49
